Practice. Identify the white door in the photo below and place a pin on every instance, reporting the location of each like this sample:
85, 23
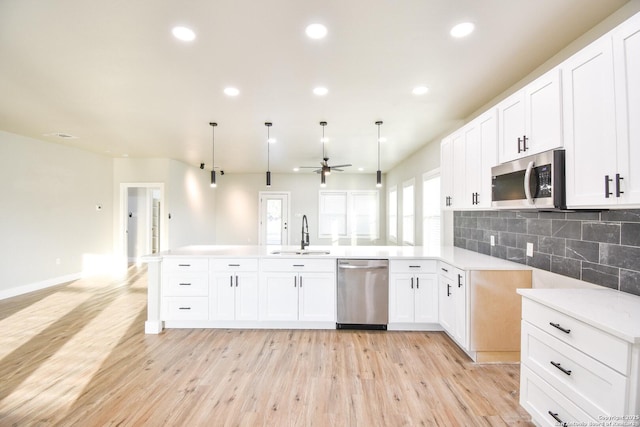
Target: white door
426, 298
280, 296
401, 297
446, 168
446, 305
511, 121
274, 218
246, 296
222, 296
460, 303
317, 296
589, 124
543, 104
626, 55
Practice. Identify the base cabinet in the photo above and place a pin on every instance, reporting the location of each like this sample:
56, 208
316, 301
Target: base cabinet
413, 294
578, 371
453, 303
185, 289
305, 292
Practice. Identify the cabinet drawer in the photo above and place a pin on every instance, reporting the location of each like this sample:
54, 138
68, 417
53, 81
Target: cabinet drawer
448, 270
186, 284
185, 264
186, 308
540, 399
596, 388
598, 344
412, 266
299, 264
231, 264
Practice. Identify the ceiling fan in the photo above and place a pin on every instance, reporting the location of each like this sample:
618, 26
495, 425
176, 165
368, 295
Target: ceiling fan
325, 168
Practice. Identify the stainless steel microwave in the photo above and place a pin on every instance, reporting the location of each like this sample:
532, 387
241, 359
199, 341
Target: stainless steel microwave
533, 182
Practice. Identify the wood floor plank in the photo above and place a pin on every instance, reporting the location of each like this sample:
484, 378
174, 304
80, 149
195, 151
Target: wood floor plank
77, 355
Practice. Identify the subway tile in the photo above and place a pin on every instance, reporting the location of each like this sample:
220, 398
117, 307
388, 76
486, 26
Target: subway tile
630, 281
499, 251
457, 213
516, 255
469, 213
541, 227
469, 222
523, 239
484, 223
507, 214
507, 239
605, 232
600, 275
630, 233
627, 215
540, 260
527, 214
484, 248
565, 266
583, 251
459, 242
620, 256
584, 216
566, 229
516, 225
472, 245
552, 245
498, 224
487, 235
471, 233
458, 231
552, 215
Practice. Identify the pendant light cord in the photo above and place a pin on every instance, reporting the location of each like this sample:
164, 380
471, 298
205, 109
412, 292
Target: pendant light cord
213, 145
378, 145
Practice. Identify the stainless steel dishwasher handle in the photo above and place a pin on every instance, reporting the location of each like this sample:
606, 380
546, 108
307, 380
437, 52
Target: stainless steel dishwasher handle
361, 267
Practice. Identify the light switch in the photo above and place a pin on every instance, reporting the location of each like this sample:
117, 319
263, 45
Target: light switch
529, 249
493, 240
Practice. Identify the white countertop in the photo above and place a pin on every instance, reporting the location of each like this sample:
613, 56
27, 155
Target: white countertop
461, 258
615, 312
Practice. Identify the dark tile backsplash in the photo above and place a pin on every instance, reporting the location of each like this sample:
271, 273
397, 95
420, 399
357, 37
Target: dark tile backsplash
597, 247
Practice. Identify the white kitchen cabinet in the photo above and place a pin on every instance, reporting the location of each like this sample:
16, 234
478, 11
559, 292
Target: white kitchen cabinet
413, 293
626, 65
580, 356
233, 289
480, 147
453, 303
446, 173
530, 120
185, 289
298, 290
590, 125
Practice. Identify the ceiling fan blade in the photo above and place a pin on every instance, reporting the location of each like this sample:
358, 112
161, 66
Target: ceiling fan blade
336, 169
340, 166
308, 167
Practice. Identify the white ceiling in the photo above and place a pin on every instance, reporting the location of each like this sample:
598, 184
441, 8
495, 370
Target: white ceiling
111, 74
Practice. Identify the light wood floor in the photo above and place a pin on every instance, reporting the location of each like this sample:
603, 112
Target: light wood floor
76, 354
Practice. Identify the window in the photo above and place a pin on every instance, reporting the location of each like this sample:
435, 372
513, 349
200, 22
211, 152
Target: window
349, 214
408, 212
431, 210
392, 214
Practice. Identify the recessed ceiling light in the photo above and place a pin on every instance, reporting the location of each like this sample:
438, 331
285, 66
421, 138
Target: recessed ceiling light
296, 169
183, 33
271, 140
231, 91
125, 155
320, 91
360, 169
316, 31
420, 90
462, 30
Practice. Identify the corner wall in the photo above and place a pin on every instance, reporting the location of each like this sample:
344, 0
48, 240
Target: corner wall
50, 226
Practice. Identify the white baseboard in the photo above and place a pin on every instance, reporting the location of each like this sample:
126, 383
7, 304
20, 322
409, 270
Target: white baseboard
25, 289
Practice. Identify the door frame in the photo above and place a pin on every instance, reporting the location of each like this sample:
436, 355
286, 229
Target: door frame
122, 237
261, 195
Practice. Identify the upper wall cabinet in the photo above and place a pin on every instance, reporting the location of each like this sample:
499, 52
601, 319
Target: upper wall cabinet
601, 110
530, 120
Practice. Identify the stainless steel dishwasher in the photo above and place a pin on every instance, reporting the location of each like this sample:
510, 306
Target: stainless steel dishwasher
363, 294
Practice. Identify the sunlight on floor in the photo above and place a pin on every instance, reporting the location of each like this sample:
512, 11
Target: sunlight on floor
29, 322
52, 388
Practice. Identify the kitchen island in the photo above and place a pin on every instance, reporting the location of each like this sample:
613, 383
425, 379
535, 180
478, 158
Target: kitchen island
273, 287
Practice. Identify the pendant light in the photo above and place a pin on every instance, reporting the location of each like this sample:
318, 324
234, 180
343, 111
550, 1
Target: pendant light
213, 154
378, 172
268, 125
324, 171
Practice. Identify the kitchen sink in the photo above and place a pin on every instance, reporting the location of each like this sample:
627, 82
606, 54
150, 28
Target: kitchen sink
300, 252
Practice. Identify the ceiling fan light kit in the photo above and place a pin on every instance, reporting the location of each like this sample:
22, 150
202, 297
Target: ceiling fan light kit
325, 167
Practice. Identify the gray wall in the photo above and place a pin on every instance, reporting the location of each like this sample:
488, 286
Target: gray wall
597, 247
237, 206
49, 194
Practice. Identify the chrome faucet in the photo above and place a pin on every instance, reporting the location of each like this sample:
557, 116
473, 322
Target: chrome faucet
305, 233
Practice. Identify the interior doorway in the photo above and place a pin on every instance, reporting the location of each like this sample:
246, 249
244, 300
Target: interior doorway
273, 226
143, 231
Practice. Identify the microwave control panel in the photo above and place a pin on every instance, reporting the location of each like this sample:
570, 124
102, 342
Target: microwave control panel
544, 185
